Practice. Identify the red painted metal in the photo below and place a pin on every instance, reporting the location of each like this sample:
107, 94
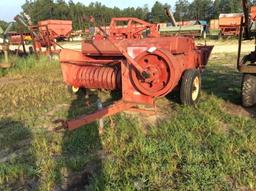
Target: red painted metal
56, 28
160, 67
141, 69
105, 112
229, 24
126, 28
16, 38
45, 33
253, 13
131, 28
94, 77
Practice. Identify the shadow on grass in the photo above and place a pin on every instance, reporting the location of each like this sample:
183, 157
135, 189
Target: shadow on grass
17, 162
218, 81
82, 150
224, 83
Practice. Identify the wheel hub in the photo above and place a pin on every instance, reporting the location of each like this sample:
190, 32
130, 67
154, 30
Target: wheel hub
196, 88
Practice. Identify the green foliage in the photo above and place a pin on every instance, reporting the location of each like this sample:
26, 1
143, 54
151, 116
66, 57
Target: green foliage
3, 25
158, 13
201, 9
205, 9
79, 13
182, 10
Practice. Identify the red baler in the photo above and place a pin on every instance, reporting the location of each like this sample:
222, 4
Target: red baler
142, 69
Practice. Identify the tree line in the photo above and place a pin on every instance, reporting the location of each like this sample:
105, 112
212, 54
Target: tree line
79, 13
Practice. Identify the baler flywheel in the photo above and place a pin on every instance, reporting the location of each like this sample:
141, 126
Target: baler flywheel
159, 65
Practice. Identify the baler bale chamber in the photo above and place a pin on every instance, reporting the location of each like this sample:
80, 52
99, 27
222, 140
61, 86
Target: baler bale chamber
141, 69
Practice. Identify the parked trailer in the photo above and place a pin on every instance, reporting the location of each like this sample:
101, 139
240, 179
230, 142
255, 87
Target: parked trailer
142, 69
59, 29
229, 24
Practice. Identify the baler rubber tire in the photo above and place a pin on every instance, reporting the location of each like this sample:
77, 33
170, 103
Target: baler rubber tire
249, 90
186, 88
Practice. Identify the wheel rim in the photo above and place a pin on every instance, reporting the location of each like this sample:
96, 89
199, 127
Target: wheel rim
74, 89
196, 88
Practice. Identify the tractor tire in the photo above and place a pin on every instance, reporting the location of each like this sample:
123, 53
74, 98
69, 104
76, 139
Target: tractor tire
249, 90
190, 87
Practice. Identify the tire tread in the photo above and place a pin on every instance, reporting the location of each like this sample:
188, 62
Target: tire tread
249, 90
186, 86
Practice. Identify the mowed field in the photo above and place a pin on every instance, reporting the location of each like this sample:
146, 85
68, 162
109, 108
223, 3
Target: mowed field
211, 146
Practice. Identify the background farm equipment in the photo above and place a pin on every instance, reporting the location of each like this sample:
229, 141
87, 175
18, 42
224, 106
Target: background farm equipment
247, 65
189, 30
77, 35
46, 33
214, 24
214, 30
57, 29
17, 38
142, 69
194, 28
125, 28
15, 42
229, 24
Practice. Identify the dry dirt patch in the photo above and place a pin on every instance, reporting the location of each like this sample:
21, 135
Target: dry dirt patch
237, 110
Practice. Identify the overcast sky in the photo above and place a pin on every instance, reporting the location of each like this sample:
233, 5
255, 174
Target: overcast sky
10, 8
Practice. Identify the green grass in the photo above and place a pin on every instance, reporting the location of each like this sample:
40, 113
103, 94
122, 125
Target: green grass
211, 146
